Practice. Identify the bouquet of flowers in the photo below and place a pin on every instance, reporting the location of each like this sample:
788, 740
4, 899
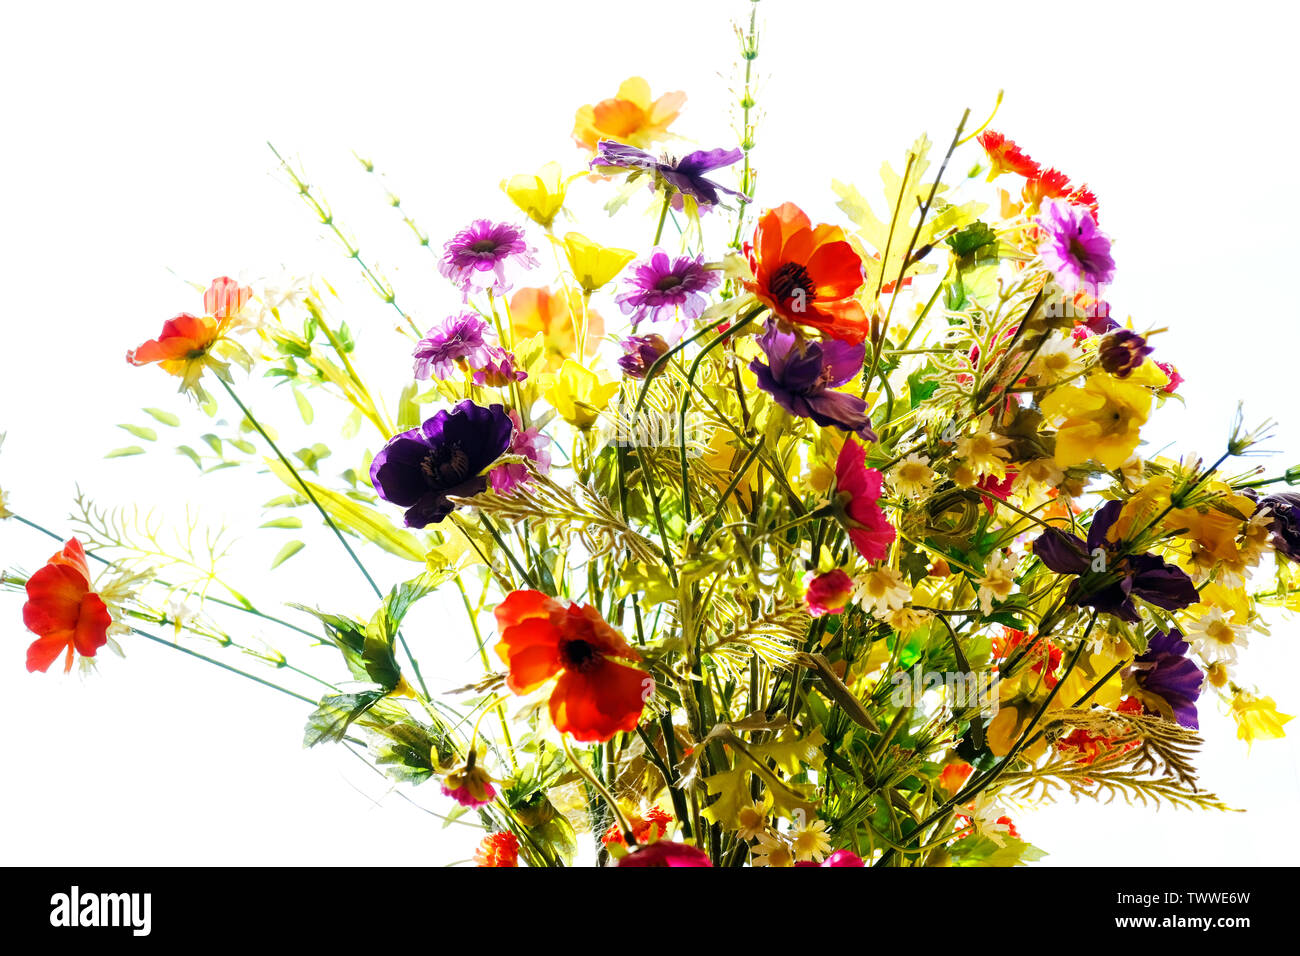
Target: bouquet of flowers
778, 542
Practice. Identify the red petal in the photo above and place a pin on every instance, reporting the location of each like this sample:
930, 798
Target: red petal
92, 625
42, 653
595, 705
54, 596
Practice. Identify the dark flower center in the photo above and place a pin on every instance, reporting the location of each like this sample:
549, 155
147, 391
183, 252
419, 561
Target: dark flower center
484, 246
1080, 254
579, 655
446, 466
668, 283
791, 280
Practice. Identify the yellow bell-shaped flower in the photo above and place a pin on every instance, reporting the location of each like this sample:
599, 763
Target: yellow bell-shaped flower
578, 395
594, 265
539, 196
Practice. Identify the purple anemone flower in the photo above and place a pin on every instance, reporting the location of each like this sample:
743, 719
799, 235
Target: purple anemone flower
639, 353
1165, 672
662, 284
1284, 527
531, 444
685, 175
1123, 352
485, 246
802, 377
1109, 581
1077, 252
458, 338
418, 469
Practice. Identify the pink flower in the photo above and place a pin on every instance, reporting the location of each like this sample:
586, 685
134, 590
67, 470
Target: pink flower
838, 858
1174, 378
666, 853
1077, 252
531, 444
859, 490
829, 593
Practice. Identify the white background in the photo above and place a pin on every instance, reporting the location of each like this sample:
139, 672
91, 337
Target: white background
134, 157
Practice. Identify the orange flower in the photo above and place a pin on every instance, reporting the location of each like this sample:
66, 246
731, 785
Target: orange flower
807, 276
954, 775
63, 611
628, 117
190, 343
550, 313
1045, 184
598, 692
653, 826
498, 849
1005, 156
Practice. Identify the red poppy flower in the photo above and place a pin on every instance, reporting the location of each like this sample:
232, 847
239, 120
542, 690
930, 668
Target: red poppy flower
63, 611
183, 338
859, 488
598, 692
1005, 156
806, 275
190, 343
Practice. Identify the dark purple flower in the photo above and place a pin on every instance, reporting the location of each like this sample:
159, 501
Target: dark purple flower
458, 338
662, 284
1285, 525
1123, 352
685, 175
1165, 672
446, 455
485, 246
1108, 581
496, 367
802, 377
640, 352
531, 444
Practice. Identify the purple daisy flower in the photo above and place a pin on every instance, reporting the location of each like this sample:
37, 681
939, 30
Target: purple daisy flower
662, 284
1077, 252
802, 377
446, 455
496, 367
531, 444
1120, 577
685, 175
640, 352
485, 246
1165, 672
458, 338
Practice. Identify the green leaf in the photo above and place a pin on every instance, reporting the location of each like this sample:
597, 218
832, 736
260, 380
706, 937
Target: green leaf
344, 633
167, 418
352, 424
124, 452
287, 552
973, 239
408, 411
377, 654
191, 454
331, 719
406, 755
213, 442
289, 522
140, 431
361, 519
304, 407
247, 447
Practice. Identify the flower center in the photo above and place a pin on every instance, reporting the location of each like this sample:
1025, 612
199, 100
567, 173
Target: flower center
484, 247
789, 281
668, 283
1220, 632
579, 655
446, 465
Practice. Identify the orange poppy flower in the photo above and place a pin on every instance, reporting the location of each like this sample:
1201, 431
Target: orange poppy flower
188, 342
550, 313
808, 276
598, 692
63, 611
628, 117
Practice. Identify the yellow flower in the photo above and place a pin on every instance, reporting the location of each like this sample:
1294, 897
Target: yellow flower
883, 590
772, 850
751, 819
628, 117
594, 265
1099, 421
999, 580
810, 842
578, 395
1257, 717
540, 196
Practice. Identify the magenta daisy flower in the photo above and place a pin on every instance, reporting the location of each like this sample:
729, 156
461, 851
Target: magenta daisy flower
1077, 252
531, 444
497, 368
458, 338
485, 247
662, 284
